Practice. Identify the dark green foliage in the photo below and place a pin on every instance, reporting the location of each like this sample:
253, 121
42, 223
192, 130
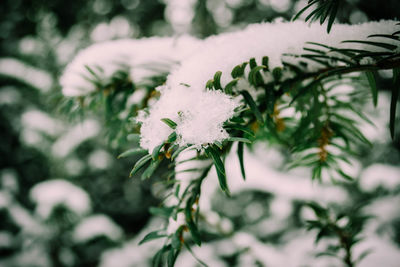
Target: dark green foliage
394, 99
140, 164
219, 166
151, 236
325, 9
345, 226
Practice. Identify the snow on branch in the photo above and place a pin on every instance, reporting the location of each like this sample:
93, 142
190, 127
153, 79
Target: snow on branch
225, 51
141, 58
199, 113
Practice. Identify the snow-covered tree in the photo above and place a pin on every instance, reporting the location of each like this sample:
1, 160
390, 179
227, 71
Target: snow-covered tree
214, 112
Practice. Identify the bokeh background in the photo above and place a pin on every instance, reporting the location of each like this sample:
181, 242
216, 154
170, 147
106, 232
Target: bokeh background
65, 198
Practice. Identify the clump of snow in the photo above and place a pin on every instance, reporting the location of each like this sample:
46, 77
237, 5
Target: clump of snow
140, 57
95, 226
285, 185
33, 76
66, 143
225, 51
9, 180
5, 199
199, 114
49, 194
40, 121
100, 159
380, 175
385, 210
384, 253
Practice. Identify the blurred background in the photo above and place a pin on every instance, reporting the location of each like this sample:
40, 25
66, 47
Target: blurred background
65, 198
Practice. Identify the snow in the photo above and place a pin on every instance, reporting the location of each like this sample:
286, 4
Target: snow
225, 51
51, 193
383, 253
130, 254
100, 159
30, 75
199, 116
9, 180
285, 185
380, 175
40, 121
67, 142
140, 57
95, 226
173, 225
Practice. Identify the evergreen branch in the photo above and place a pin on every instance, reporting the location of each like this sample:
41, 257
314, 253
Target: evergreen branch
324, 9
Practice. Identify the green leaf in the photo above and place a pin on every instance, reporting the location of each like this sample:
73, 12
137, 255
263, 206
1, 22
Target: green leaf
252, 63
316, 172
372, 84
394, 99
139, 164
169, 122
240, 157
316, 12
378, 44
332, 15
192, 226
239, 139
176, 238
92, 72
210, 84
172, 137
325, 13
324, 232
389, 36
230, 85
238, 71
254, 75
172, 255
151, 236
270, 100
304, 9
277, 73
177, 189
220, 168
345, 175
219, 144
157, 260
239, 127
132, 152
161, 211
150, 170
320, 211
265, 62
156, 151
217, 80
253, 106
